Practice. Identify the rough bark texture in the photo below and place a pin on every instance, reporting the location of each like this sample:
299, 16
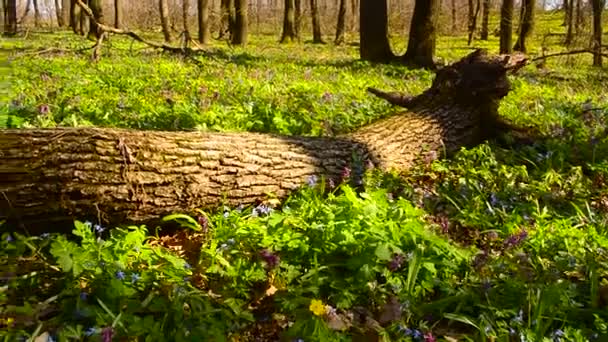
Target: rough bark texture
65, 12
526, 24
36, 13
185, 16
58, 13
240, 23
316, 23
298, 16
203, 22
10, 15
453, 9
227, 18
341, 25
485, 17
164, 20
97, 9
289, 22
421, 44
506, 26
570, 23
474, 7
373, 32
51, 176
598, 6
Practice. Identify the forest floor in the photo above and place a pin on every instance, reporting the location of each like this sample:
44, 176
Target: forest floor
493, 244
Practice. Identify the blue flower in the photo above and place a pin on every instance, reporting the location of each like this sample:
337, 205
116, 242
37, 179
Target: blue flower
88, 224
9, 238
134, 278
312, 180
120, 275
519, 319
91, 331
230, 241
45, 235
557, 335
98, 228
226, 214
261, 209
417, 334
83, 296
512, 331
187, 266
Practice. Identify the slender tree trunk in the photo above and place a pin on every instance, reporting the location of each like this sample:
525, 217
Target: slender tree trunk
579, 16
65, 12
36, 13
115, 176
164, 20
454, 25
227, 19
341, 25
566, 7
240, 23
297, 17
570, 25
598, 7
506, 26
83, 19
289, 32
97, 9
10, 15
473, 14
421, 44
185, 17
59, 13
526, 24
118, 14
317, 38
203, 22
373, 32
485, 20
354, 14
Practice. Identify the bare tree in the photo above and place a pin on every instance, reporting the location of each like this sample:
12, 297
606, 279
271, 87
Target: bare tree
453, 7
227, 18
506, 26
373, 33
36, 13
186, 26
474, 7
569, 22
297, 16
96, 7
239, 36
203, 21
59, 14
317, 38
164, 20
485, 19
118, 13
289, 22
341, 25
65, 12
10, 17
421, 44
598, 7
526, 23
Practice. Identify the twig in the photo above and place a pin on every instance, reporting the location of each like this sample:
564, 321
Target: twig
567, 53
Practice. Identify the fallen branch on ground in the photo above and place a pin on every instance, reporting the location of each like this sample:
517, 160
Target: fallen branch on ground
566, 53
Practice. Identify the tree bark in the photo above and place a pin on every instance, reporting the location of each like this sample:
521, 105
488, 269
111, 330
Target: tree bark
240, 23
59, 13
10, 15
373, 32
97, 9
579, 16
526, 24
454, 25
297, 17
83, 20
598, 7
36, 13
289, 30
185, 24
569, 23
203, 22
118, 14
566, 7
485, 20
120, 176
473, 14
341, 25
421, 44
65, 12
506, 26
164, 20
227, 18
317, 38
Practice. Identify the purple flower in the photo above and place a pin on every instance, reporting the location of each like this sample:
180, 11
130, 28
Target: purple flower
134, 278
417, 334
261, 209
83, 296
120, 275
204, 222
557, 335
98, 228
346, 172
106, 334
9, 238
312, 180
428, 337
515, 239
327, 96
272, 260
396, 262
43, 109
331, 184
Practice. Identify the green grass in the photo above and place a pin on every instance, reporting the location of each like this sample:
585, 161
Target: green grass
510, 244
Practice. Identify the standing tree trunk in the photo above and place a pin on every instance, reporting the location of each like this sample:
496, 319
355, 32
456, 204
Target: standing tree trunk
164, 20
317, 38
203, 22
526, 24
240, 23
341, 25
185, 17
485, 19
473, 14
83, 19
454, 26
566, 7
110, 176
354, 13
421, 45
373, 32
59, 13
579, 16
289, 22
570, 24
506, 26
10, 18
297, 17
118, 15
94, 31
36, 13
227, 18
65, 12
598, 7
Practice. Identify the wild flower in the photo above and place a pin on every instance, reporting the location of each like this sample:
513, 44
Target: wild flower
226, 214
316, 307
262, 209
346, 172
45, 235
312, 180
120, 275
204, 222
89, 224
83, 296
519, 319
515, 239
187, 265
135, 277
428, 337
557, 335
272, 260
43, 109
9, 238
231, 241
98, 228
331, 184
327, 96
106, 334
396, 262
91, 331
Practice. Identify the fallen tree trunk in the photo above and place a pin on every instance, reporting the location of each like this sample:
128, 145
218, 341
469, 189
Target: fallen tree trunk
114, 176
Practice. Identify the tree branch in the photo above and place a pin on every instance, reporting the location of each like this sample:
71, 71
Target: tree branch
566, 53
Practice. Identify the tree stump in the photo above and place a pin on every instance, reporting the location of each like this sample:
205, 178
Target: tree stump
111, 176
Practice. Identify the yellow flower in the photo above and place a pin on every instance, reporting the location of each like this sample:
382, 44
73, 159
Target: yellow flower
317, 307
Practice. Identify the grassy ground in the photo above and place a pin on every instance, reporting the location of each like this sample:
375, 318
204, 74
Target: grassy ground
494, 244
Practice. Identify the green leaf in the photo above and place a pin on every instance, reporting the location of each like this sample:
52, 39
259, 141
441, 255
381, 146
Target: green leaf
63, 251
383, 252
